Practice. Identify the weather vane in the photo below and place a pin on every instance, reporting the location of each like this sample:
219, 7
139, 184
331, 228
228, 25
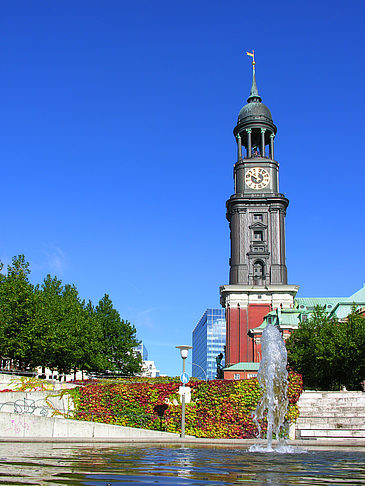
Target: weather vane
252, 54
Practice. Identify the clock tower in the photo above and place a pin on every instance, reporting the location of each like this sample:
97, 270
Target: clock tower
256, 214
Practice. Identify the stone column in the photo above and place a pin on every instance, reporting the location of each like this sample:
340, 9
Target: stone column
282, 214
237, 216
272, 136
249, 143
275, 235
239, 147
263, 130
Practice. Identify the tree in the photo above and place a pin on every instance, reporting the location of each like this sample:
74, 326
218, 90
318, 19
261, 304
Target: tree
74, 338
50, 326
48, 316
17, 313
329, 353
119, 339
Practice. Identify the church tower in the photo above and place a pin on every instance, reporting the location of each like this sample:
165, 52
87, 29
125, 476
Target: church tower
256, 214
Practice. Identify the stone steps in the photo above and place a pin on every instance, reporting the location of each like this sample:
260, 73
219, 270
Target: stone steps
328, 404
332, 422
331, 415
338, 412
332, 433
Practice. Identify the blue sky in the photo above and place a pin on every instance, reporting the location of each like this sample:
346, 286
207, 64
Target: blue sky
117, 151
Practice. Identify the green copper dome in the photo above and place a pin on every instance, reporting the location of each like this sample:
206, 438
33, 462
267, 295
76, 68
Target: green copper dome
254, 110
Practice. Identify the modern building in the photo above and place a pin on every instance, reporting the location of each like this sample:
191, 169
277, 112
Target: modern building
142, 350
149, 369
256, 214
209, 339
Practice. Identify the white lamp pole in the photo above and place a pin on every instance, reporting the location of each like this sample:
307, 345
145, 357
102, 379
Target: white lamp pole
184, 351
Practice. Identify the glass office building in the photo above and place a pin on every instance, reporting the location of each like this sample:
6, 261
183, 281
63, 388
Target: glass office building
209, 339
142, 350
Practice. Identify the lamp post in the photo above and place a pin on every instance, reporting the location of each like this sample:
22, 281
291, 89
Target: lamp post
184, 351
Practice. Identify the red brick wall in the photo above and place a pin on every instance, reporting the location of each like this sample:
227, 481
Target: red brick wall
229, 375
239, 320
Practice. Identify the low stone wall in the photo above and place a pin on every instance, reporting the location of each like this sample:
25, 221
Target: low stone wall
23, 426
36, 414
41, 403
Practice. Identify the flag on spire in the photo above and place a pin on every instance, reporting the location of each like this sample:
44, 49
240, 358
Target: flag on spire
252, 54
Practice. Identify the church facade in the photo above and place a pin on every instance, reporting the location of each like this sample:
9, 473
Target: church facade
256, 214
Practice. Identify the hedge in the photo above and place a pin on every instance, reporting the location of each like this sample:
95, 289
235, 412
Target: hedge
218, 408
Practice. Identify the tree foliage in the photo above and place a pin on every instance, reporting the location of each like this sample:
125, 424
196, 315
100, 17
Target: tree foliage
17, 305
116, 350
329, 353
51, 326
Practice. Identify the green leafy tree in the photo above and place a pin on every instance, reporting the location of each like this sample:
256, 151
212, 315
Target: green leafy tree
17, 313
93, 357
119, 339
50, 326
49, 316
329, 353
68, 336
74, 340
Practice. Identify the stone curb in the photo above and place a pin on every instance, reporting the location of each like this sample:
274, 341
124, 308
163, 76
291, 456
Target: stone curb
242, 443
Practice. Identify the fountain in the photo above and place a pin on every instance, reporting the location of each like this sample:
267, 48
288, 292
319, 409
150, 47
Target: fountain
273, 378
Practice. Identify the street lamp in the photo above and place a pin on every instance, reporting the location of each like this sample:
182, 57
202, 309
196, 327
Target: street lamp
184, 351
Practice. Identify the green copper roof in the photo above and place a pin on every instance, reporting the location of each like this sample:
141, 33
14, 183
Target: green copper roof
290, 319
254, 94
339, 307
358, 296
255, 110
311, 302
287, 317
248, 366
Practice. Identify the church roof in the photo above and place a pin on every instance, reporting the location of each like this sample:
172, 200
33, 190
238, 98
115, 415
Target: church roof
358, 296
311, 302
243, 366
338, 307
287, 317
254, 110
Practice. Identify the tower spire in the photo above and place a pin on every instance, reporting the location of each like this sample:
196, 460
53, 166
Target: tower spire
254, 94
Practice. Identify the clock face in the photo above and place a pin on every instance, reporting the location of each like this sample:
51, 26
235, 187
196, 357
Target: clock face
257, 178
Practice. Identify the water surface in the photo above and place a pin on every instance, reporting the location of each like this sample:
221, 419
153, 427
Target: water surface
64, 464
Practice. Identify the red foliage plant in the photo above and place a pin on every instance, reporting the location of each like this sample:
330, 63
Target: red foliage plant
218, 408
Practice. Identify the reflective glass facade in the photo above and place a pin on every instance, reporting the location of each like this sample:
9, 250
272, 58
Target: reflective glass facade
142, 350
209, 339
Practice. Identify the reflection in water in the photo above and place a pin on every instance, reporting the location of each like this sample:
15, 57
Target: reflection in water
95, 465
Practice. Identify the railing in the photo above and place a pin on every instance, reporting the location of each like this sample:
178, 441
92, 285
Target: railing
257, 156
18, 372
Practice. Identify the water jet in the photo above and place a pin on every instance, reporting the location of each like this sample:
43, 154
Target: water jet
273, 378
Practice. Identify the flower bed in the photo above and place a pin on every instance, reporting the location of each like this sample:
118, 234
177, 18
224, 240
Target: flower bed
218, 408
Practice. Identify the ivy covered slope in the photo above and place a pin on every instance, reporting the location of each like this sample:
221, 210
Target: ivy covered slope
218, 409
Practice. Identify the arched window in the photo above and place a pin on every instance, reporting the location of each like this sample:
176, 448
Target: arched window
258, 269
